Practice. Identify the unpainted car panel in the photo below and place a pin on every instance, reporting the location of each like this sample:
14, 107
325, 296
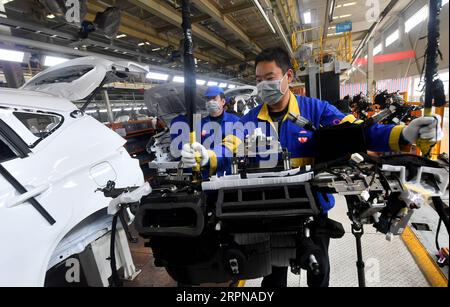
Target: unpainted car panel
81, 87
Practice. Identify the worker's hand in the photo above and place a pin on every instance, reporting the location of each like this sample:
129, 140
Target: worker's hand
188, 155
427, 128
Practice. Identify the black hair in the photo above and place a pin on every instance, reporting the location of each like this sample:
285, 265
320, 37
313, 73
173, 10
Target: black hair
277, 54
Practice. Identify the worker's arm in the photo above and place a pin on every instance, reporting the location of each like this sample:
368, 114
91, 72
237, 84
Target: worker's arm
379, 138
218, 159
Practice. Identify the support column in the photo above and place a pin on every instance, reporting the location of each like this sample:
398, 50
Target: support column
13, 74
108, 106
312, 69
12, 71
371, 85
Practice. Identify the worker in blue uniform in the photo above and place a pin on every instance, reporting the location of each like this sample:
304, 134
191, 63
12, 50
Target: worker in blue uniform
274, 73
218, 123
214, 127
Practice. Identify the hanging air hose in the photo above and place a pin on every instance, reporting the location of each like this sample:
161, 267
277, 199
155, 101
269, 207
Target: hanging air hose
190, 84
431, 69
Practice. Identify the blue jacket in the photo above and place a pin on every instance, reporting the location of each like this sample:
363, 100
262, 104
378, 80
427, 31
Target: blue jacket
208, 129
210, 138
380, 138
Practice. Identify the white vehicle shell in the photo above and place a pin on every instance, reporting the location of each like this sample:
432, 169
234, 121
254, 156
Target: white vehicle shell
61, 171
241, 95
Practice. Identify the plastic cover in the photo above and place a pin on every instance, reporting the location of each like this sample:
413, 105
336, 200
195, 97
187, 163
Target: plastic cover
167, 101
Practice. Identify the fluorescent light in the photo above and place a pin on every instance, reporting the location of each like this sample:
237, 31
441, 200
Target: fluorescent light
91, 111
342, 16
348, 4
418, 17
231, 86
117, 110
212, 83
223, 85
392, 38
307, 17
11, 55
157, 76
128, 109
50, 16
121, 36
104, 111
201, 82
378, 48
178, 79
141, 44
156, 49
52, 61
261, 10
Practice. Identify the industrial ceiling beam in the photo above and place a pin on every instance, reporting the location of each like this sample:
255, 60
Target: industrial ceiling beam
172, 16
276, 24
209, 8
196, 19
284, 16
237, 8
134, 27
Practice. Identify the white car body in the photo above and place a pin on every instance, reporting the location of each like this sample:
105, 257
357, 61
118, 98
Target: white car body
62, 171
242, 92
241, 95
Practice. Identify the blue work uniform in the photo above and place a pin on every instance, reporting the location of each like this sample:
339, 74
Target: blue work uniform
210, 134
298, 141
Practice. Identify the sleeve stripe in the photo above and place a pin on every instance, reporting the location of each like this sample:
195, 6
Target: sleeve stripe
212, 162
394, 138
351, 119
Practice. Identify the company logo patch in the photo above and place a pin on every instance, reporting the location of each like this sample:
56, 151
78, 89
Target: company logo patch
303, 140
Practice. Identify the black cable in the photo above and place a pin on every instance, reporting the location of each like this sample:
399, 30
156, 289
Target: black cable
437, 235
115, 280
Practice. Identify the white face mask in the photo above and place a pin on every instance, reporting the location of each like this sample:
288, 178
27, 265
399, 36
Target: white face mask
214, 107
270, 91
